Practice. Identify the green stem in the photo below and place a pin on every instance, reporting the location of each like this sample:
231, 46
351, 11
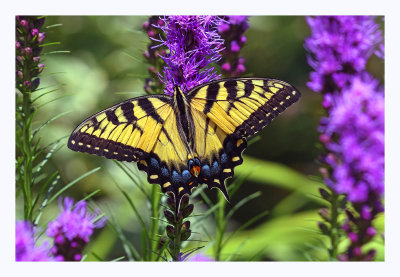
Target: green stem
155, 214
26, 151
221, 225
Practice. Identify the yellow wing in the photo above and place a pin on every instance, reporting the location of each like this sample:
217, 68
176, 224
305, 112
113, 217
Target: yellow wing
142, 129
243, 106
224, 113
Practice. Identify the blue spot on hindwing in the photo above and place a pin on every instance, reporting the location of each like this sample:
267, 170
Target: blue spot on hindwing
215, 168
224, 158
154, 163
176, 178
205, 171
186, 175
164, 172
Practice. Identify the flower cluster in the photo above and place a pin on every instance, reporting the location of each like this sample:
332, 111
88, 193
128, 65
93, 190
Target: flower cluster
232, 31
25, 248
353, 131
341, 46
72, 229
357, 115
193, 43
27, 44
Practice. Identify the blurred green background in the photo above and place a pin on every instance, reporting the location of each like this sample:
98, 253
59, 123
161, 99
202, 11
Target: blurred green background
105, 66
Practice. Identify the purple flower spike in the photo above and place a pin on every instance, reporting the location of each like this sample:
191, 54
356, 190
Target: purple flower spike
25, 249
72, 229
353, 131
194, 44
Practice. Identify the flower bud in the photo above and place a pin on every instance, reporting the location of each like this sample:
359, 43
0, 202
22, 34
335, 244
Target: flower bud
27, 84
188, 210
41, 37
35, 84
145, 25
186, 234
184, 202
235, 46
28, 51
324, 213
40, 67
371, 231
23, 23
151, 33
226, 67
223, 28
366, 212
240, 68
325, 194
170, 231
34, 32
324, 229
243, 39
171, 201
160, 22
17, 44
20, 59
357, 251
353, 237
185, 226
324, 138
20, 75
169, 216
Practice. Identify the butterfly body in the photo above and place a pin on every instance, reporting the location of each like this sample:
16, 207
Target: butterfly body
184, 140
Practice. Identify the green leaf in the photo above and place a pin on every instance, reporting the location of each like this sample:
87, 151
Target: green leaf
71, 184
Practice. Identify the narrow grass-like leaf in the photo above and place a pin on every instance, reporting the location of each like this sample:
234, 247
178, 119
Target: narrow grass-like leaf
44, 93
53, 26
136, 212
97, 256
241, 203
43, 188
39, 167
118, 259
90, 195
57, 52
133, 179
45, 200
244, 226
129, 249
72, 183
55, 99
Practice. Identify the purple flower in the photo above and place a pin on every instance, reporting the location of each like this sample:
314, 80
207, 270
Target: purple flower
194, 44
340, 47
25, 248
356, 118
72, 229
232, 31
